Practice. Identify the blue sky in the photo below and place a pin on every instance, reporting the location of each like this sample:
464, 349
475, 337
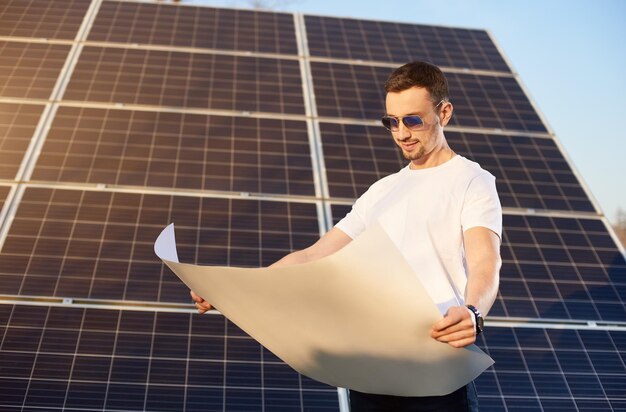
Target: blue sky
570, 55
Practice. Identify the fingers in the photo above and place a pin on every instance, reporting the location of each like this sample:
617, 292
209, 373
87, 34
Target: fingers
201, 305
458, 338
195, 297
461, 343
202, 309
455, 315
455, 329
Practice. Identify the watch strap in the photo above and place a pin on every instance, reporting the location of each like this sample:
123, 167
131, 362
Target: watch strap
478, 318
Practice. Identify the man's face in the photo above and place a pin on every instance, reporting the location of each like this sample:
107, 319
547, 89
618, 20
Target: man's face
416, 144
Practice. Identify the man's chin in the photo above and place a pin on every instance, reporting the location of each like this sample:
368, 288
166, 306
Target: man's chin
412, 155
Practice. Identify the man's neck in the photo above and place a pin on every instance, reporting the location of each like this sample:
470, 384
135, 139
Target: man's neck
433, 159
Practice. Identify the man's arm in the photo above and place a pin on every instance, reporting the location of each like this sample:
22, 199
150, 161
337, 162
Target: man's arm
482, 253
329, 243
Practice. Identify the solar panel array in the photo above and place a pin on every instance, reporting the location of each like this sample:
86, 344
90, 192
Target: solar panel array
254, 132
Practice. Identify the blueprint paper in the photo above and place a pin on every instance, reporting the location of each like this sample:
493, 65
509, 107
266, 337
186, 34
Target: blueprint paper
358, 319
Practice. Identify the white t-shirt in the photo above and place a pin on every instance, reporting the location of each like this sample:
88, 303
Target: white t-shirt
425, 213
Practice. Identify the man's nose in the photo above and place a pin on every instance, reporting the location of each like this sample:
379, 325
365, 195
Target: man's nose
403, 131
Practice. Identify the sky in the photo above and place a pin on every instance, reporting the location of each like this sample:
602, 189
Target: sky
570, 56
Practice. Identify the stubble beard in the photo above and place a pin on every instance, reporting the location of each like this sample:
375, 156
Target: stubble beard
415, 155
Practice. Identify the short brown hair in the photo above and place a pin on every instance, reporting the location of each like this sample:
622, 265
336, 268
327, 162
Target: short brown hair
419, 74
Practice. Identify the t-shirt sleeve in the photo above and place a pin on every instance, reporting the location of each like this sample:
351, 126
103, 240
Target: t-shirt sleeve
354, 223
481, 206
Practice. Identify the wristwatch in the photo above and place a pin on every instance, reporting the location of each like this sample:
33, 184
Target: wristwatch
480, 322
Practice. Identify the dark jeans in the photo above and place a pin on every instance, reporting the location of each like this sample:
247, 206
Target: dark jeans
461, 400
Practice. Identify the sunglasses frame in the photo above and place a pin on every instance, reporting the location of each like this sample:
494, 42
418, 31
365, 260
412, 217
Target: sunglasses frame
403, 118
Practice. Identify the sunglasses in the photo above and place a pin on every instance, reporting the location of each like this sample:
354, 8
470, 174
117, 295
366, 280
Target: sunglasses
412, 122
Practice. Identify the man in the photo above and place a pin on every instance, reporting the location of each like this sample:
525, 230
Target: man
442, 212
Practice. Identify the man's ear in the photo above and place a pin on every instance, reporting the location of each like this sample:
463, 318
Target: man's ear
446, 113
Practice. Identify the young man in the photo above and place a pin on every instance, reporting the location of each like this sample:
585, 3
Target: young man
442, 212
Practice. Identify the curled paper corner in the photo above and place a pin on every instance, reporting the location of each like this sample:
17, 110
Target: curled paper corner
165, 245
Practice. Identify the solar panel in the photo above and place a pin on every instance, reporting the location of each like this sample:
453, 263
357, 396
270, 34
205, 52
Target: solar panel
59, 19
17, 125
556, 268
489, 102
30, 69
65, 358
187, 151
99, 245
355, 156
560, 268
201, 27
531, 173
354, 39
553, 369
193, 80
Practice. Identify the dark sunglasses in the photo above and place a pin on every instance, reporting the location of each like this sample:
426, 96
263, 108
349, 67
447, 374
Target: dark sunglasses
412, 122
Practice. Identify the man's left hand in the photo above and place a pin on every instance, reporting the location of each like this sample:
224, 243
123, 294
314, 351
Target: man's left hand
456, 328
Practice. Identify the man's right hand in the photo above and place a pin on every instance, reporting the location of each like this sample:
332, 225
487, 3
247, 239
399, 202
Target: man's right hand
202, 305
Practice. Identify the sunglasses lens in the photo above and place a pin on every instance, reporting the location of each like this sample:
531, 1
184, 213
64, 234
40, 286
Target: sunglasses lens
390, 123
412, 122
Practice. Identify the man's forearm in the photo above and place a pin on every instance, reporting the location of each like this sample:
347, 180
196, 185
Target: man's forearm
294, 258
329, 243
482, 284
482, 253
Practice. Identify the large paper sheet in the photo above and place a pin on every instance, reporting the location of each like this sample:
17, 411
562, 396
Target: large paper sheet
358, 319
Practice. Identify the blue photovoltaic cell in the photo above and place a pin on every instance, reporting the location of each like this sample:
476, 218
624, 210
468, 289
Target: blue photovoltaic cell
67, 358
